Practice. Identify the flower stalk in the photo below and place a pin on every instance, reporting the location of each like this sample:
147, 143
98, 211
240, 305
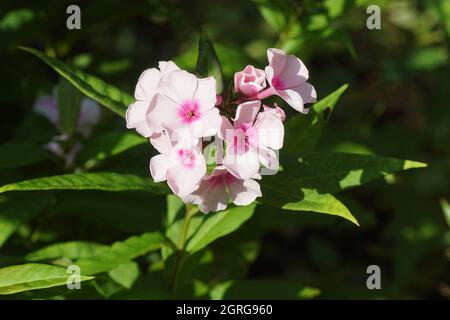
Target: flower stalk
191, 210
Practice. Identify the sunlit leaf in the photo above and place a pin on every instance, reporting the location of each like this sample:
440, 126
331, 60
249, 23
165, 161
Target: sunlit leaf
93, 87
125, 274
218, 225
33, 276
332, 172
446, 209
72, 250
275, 13
15, 19
285, 192
106, 181
122, 252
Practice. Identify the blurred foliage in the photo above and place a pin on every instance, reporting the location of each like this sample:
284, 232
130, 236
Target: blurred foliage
396, 105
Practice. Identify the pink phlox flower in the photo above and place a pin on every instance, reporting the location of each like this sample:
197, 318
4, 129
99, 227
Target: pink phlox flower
187, 102
276, 110
287, 76
219, 187
149, 84
180, 162
251, 140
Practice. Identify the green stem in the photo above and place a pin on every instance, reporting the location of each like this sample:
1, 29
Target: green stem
191, 210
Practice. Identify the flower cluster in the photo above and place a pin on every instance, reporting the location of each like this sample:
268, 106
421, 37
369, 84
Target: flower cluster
214, 148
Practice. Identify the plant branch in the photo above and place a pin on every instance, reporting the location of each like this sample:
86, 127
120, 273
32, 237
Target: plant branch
191, 210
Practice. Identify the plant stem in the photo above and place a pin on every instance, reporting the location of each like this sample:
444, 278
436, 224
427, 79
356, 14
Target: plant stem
191, 210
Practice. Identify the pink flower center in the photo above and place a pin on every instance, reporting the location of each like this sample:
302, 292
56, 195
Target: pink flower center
216, 181
244, 137
189, 111
228, 178
277, 83
221, 180
187, 157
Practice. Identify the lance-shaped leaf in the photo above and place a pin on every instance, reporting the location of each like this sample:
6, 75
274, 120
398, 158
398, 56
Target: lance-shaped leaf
218, 225
275, 13
122, 252
208, 63
332, 172
33, 276
175, 207
72, 250
106, 181
446, 210
93, 87
285, 192
444, 12
125, 274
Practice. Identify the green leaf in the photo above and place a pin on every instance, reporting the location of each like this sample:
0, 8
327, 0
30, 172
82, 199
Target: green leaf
15, 19
218, 225
329, 101
444, 13
72, 250
96, 89
332, 172
446, 209
274, 13
208, 63
285, 192
122, 252
427, 58
108, 145
303, 132
335, 8
106, 181
342, 37
174, 231
69, 100
32, 276
174, 207
17, 209
125, 274
105, 286
17, 154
